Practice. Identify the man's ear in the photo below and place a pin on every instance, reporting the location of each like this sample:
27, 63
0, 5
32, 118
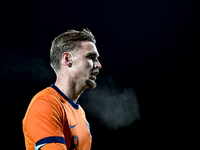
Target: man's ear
67, 59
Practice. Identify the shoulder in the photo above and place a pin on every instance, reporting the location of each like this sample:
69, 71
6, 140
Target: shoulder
44, 117
43, 103
48, 95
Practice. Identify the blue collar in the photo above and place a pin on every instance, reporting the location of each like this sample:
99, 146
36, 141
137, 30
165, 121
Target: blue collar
75, 105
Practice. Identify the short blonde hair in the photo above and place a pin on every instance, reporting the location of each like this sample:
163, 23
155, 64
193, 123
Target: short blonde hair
67, 42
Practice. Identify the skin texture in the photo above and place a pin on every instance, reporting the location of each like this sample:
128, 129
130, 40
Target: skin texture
78, 70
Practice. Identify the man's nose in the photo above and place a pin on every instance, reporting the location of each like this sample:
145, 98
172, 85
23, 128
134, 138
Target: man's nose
98, 65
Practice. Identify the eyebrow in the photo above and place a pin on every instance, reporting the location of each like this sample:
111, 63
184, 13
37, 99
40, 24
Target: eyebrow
93, 54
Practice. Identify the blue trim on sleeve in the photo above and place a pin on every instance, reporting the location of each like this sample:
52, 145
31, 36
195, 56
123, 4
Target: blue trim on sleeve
52, 139
88, 126
75, 105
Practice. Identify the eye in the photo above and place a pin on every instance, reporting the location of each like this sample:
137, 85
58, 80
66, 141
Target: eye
91, 57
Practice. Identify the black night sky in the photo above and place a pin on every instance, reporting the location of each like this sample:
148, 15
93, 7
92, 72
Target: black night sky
144, 45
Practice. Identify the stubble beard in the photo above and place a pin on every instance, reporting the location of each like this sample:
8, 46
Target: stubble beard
91, 83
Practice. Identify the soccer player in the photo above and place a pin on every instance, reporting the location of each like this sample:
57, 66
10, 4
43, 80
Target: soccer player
54, 119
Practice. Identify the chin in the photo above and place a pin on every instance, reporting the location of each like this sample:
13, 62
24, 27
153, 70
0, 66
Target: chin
91, 84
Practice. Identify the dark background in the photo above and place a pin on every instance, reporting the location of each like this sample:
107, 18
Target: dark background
146, 45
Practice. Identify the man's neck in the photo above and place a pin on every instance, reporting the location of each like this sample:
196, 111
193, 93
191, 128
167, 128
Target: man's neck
71, 90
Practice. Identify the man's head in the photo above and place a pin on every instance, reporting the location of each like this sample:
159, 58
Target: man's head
68, 42
75, 52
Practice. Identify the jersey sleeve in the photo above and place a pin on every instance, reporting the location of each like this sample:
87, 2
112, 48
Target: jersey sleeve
45, 124
54, 146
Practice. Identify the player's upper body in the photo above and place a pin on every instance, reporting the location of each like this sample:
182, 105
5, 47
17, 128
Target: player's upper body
54, 120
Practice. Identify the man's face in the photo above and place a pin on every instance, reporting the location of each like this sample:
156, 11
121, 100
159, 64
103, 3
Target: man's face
86, 65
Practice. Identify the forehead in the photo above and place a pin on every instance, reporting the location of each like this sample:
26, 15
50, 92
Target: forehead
88, 48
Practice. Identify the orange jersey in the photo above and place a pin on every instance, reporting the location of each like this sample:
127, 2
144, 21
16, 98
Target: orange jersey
52, 121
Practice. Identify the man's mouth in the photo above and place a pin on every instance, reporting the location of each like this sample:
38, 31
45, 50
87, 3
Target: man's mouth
93, 75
